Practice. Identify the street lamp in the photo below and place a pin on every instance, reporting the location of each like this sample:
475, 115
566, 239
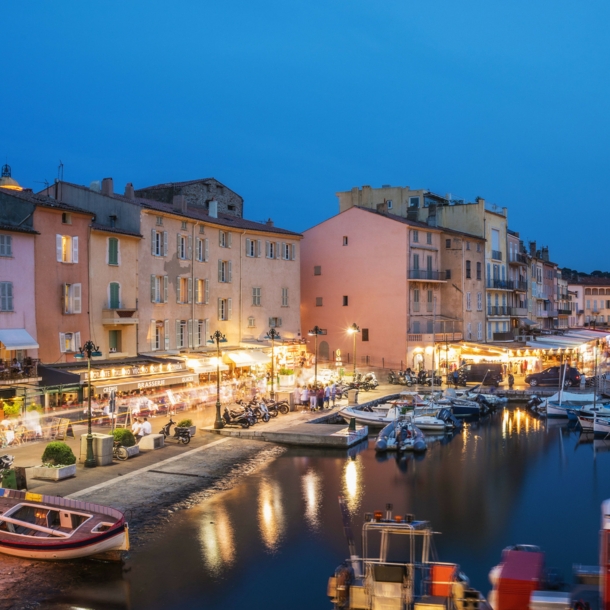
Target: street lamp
87, 351
314, 332
354, 329
217, 338
273, 335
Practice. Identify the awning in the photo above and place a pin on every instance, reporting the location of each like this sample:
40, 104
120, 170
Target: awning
248, 358
529, 322
259, 357
206, 365
142, 383
17, 338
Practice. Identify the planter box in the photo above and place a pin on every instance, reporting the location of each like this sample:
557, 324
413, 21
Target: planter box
191, 429
51, 474
102, 448
286, 380
131, 451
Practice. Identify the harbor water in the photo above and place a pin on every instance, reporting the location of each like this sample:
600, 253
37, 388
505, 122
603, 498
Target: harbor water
273, 541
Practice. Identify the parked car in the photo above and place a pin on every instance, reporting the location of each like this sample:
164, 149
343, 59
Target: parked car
487, 373
552, 376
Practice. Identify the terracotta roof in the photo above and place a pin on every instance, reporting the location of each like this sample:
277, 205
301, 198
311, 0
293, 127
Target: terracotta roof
98, 227
169, 184
43, 201
5, 227
590, 281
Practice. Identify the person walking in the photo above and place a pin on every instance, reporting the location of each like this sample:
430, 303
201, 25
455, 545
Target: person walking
327, 396
320, 397
456, 378
312, 398
333, 393
511, 381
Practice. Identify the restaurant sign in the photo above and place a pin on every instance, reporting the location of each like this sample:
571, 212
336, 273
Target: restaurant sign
127, 386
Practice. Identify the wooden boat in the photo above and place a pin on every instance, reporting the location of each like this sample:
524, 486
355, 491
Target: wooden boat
47, 527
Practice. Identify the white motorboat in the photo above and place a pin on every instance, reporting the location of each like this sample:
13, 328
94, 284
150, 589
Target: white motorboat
434, 419
601, 426
373, 418
560, 403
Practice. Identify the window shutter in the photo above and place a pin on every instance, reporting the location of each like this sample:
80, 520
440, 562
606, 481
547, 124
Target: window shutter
229, 308
190, 246
293, 252
77, 344
248, 242
76, 298
62, 343
220, 271
267, 249
190, 289
58, 247
230, 271
278, 248
165, 288
190, 332
178, 289
206, 255
9, 296
220, 309
164, 252
153, 289
207, 292
75, 249
279, 321
259, 247
178, 245
220, 239
153, 241
166, 333
270, 322
197, 292
229, 240
284, 251
178, 344
153, 333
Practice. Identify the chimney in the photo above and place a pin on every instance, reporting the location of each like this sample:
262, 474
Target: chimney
129, 192
545, 253
532, 248
179, 203
382, 207
269, 222
213, 208
107, 187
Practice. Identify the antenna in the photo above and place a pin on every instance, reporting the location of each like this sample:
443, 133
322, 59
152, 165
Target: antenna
60, 171
45, 182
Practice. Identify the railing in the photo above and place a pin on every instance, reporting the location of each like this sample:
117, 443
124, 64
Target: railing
503, 337
426, 274
521, 285
19, 371
518, 311
564, 312
436, 337
501, 284
542, 314
119, 316
497, 310
552, 313
496, 255
517, 259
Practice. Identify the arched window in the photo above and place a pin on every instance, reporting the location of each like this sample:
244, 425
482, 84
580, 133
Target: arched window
594, 291
114, 295
323, 351
587, 290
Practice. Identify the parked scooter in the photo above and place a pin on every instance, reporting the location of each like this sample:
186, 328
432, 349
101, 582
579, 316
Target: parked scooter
6, 462
260, 411
181, 434
235, 418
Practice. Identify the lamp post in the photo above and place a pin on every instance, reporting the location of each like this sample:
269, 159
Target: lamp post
354, 329
273, 335
87, 351
217, 338
314, 332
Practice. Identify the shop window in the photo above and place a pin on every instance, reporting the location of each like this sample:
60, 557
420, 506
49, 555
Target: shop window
114, 341
365, 334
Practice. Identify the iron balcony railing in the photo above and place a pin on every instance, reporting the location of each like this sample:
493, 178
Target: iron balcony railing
500, 284
14, 372
564, 312
521, 285
518, 311
496, 255
497, 310
426, 274
508, 336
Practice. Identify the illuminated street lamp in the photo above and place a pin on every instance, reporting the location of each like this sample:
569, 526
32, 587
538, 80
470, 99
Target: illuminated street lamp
217, 338
314, 332
273, 335
354, 329
87, 351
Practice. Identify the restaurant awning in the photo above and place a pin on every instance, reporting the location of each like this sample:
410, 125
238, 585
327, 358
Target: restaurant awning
207, 366
143, 383
248, 358
17, 338
260, 357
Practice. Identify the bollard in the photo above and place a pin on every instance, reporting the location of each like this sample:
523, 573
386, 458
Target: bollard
352, 424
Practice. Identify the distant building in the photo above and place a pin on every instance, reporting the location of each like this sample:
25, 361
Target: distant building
591, 302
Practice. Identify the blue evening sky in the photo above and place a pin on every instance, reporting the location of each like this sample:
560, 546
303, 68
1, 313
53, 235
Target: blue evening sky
290, 102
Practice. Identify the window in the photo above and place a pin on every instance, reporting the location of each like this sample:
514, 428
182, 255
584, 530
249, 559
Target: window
256, 297
181, 334
158, 242
416, 299
184, 290
415, 236
467, 245
468, 272
202, 250
202, 292
284, 297
251, 322
6, 296
113, 251
72, 298
448, 274
159, 335
114, 341
479, 331
345, 240
428, 238
447, 243
66, 218
6, 245
365, 334
287, 252
159, 221
317, 270
479, 301
478, 247
225, 273
185, 245
253, 247
271, 249
416, 328
413, 202
416, 262
224, 238
67, 249
479, 270
430, 300
275, 322
468, 303
69, 342
345, 301
201, 228
158, 288
201, 332
469, 331
318, 301
390, 204
114, 296
184, 226
224, 309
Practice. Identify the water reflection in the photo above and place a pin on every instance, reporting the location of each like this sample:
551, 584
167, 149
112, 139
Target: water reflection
216, 538
517, 421
312, 494
270, 513
352, 483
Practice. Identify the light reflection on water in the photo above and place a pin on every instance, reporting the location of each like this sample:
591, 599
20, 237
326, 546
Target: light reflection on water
312, 495
270, 514
352, 483
216, 537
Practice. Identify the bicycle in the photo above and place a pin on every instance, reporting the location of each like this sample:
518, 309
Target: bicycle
119, 452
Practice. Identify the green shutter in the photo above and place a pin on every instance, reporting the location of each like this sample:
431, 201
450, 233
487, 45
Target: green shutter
114, 296
113, 251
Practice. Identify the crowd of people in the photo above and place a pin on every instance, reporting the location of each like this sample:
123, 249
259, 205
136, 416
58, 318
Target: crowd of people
316, 397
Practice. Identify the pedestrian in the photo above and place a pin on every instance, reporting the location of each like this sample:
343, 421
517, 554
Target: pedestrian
333, 393
327, 396
305, 396
456, 378
511, 381
320, 397
312, 398
135, 428
146, 428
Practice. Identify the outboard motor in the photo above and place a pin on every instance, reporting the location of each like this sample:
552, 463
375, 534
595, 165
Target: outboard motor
448, 417
534, 402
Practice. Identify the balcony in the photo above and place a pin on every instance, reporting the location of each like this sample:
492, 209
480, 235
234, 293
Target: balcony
427, 275
518, 312
500, 284
542, 314
564, 312
498, 310
120, 316
503, 336
517, 259
496, 255
436, 337
520, 285
26, 371
552, 313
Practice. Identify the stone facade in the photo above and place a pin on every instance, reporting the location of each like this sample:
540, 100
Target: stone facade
198, 194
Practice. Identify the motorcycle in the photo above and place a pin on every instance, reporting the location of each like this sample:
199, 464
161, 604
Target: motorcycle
6, 462
393, 378
371, 379
234, 418
260, 411
181, 434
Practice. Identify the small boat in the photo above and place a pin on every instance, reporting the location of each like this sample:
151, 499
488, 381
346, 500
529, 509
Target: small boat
586, 421
601, 426
401, 435
47, 527
373, 418
435, 419
461, 407
558, 404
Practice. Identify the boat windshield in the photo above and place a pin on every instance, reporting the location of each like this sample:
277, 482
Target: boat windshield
41, 521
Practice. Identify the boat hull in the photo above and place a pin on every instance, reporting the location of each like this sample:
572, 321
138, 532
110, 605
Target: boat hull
601, 427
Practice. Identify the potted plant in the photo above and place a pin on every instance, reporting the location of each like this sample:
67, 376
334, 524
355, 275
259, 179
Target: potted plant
58, 462
286, 377
187, 423
128, 440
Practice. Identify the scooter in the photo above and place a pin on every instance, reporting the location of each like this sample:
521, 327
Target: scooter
181, 434
6, 462
260, 411
232, 418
